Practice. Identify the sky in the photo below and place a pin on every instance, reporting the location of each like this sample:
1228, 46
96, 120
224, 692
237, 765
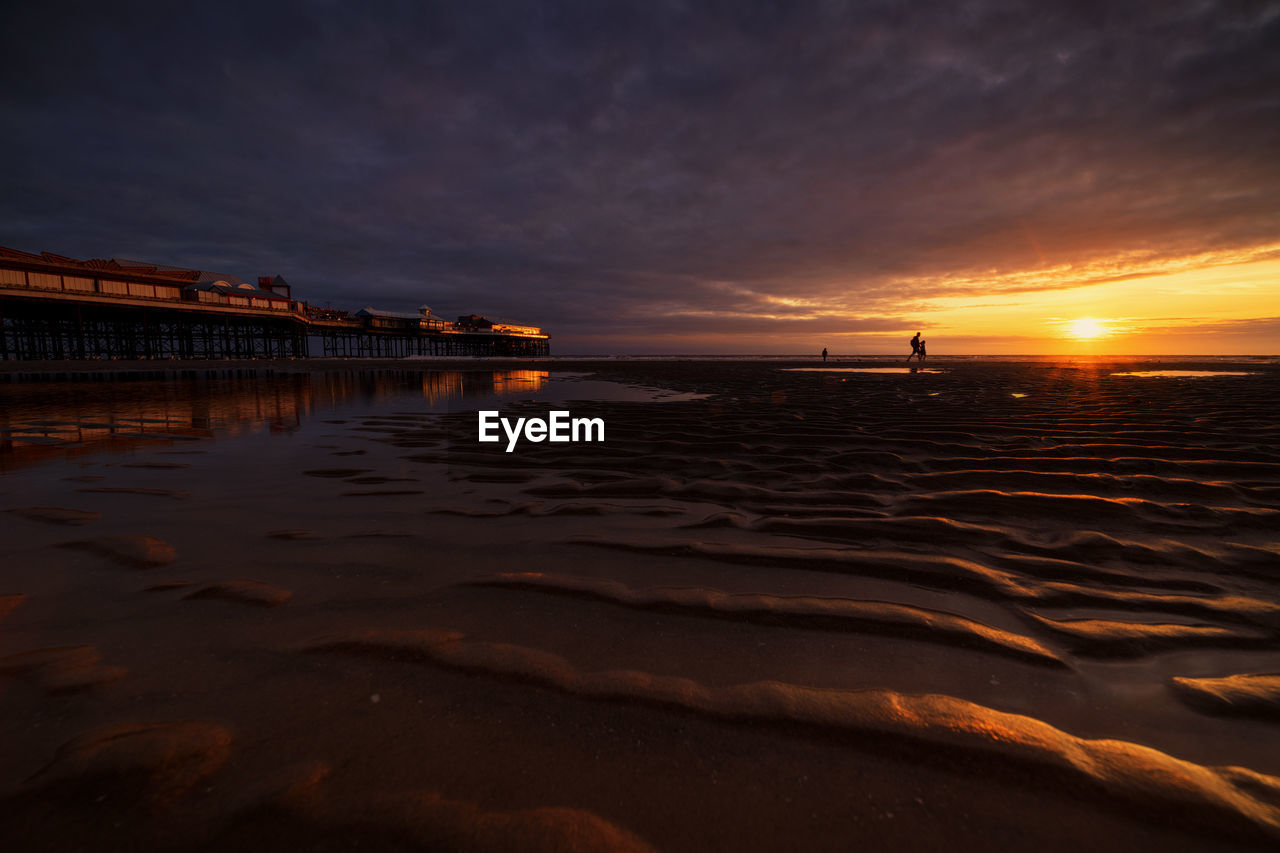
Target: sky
678, 177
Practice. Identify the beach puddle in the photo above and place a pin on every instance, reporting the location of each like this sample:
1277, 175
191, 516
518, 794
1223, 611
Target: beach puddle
1184, 374
40, 421
568, 388
864, 369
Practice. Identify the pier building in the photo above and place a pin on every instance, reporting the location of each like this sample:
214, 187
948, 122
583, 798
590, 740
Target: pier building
54, 307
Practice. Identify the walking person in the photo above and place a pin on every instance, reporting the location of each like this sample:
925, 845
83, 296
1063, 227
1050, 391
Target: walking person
923, 353
915, 346
824, 355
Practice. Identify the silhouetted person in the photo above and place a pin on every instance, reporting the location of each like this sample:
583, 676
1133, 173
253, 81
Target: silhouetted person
923, 354
915, 346
824, 354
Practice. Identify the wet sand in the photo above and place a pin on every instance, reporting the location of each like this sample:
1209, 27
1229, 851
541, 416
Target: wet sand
992, 606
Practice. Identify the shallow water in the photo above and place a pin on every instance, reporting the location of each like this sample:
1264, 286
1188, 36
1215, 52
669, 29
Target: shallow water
1184, 374
866, 369
769, 610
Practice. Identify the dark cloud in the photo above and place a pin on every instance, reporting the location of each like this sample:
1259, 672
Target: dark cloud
581, 164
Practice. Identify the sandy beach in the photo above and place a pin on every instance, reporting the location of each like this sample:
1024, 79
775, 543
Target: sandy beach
989, 605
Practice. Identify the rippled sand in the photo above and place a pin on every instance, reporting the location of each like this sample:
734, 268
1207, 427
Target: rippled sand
992, 607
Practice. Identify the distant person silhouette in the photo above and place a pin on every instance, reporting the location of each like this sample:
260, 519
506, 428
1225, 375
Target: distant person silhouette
923, 353
915, 346
824, 354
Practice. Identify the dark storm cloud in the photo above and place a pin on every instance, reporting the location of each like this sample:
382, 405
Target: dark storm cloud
579, 164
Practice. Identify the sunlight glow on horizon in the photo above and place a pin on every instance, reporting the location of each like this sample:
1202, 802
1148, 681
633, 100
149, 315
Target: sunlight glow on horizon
1204, 310
1087, 327
1218, 309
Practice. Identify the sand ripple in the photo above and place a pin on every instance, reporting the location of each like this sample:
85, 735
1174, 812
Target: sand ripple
62, 669
244, 591
1125, 770
1251, 695
164, 759
1109, 638
57, 515
142, 552
176, 494
438, 823
793, 611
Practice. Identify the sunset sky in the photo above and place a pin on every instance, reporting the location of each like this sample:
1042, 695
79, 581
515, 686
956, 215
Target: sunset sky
1035, 177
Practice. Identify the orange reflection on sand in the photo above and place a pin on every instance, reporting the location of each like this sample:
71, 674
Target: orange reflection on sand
48, 420
1184, 374
41, 421
442, 386
509, 381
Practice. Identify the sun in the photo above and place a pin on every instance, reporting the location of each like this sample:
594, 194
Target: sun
1085, 328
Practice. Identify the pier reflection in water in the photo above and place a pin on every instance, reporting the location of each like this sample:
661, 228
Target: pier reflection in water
42, 420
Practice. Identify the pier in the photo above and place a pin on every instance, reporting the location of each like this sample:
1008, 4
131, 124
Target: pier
53, 308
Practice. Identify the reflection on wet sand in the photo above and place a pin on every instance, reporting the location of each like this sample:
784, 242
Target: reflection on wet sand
446, 385
863, 370
1183, 374
47, 420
